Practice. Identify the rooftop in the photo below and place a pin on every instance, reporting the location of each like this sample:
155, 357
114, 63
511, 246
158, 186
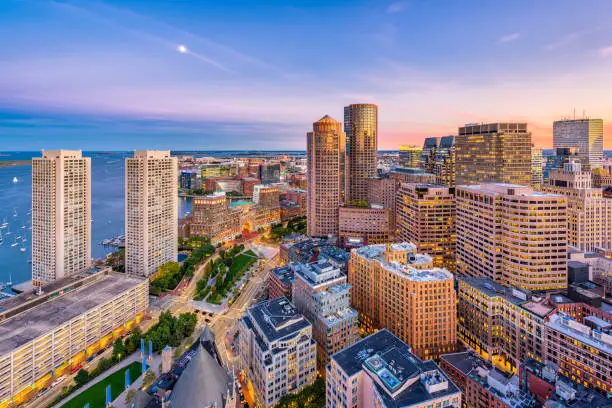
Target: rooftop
277, 318
284, 274
318, 273
570, 327
38, 320
400, 377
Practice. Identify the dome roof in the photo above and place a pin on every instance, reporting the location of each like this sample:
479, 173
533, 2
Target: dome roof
327, 119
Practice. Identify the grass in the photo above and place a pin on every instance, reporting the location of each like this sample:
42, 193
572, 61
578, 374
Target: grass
239, 266
96, 395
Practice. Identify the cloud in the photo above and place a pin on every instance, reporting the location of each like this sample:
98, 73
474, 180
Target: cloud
509, 38
396, 7
604, 52
570, 38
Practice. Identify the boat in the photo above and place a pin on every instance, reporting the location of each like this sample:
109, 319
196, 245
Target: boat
29, 261
18, 237
15, 180
14, 244
22, 249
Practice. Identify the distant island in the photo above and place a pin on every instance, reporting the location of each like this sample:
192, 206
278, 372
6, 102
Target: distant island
11, 163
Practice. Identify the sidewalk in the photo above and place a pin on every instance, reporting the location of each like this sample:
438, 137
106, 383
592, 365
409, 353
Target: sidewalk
124, 363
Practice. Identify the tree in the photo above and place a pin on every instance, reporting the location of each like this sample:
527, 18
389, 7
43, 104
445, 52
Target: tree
81, 378
119, 350
149, 377
130, 396
132, 342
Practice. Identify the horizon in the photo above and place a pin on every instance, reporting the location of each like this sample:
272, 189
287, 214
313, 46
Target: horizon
134, 74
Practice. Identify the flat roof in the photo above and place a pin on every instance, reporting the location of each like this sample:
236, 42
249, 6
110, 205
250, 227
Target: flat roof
385, 356
284, 274
277, 318
39, 320
556, 322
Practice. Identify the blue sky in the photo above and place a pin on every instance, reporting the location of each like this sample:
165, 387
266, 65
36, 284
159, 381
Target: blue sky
107, 74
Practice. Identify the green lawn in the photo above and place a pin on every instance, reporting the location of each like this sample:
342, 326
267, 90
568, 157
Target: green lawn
241, 263
96, 395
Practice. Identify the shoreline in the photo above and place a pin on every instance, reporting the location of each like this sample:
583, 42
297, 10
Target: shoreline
14, 163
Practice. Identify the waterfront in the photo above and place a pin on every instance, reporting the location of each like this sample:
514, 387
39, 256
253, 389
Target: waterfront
108, 209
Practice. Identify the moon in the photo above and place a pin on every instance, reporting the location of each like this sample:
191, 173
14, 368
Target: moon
182, 49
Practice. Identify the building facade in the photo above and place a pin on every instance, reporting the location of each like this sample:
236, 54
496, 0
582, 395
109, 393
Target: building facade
269, 173
444, 165
396, 288
584, 135
325, 153
361, 129
381, 193
61, 215
151, 211
589, 213
321, 293
537, 163
426, 217
410, 156
381, 371
45, 338
493, 153
513, 235
276, 349
364, 225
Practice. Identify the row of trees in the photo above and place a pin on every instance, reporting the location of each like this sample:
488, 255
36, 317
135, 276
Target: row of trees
294, 225
312, 396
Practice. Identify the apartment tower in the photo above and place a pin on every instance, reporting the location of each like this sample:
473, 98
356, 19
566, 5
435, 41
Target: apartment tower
395, 287
361, 128
426, 217
493, 153
537, 167
325, 157
151, 211
584, 135
513, 235
61, 215
589, 221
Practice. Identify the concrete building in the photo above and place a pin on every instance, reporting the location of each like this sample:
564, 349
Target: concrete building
585, 135
303, 249
321, 293
581, 352
361, 129
537, 167
280, 282
589, 213
481, 384
396, 288
426, 217
276, 349
364, 225
381, 193
151, 211
43, 338
411, 175
325, 153
493, 153
410, 156
61, 215
381, 371
512, 234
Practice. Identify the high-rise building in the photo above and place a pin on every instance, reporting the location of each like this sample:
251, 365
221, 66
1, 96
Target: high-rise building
269, 173
586, 135
364, 225
276, 350
426, 217
513, 235
61, 215
361, 128
381, 371
493, 153
589, 222
321, 293
396, 288
410, 175
151, 211
381, 192
325, 153
429, 151
410, 156
537, 177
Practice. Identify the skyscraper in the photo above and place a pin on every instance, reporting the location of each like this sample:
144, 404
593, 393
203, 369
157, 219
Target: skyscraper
493, 153
61, 215
428, 155
269, 173
151, 211
426, 217
361, 128
586, 135
513, 235
410, 156
325, 154
589, 221
537, 175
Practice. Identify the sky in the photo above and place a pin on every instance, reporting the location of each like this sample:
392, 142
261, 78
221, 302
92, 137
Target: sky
109, 75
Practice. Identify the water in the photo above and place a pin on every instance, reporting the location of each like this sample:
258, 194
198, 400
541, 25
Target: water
108, 208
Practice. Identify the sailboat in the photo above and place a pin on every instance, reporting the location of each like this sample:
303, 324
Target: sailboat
14, 244
22, 249
4, 224
15, 180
